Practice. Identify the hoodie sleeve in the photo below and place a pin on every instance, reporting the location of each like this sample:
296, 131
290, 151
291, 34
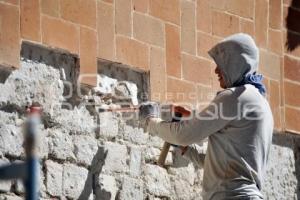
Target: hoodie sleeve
213, 118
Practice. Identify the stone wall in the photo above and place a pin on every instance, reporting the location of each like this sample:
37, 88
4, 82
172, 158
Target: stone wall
122, 31
168, 39
282, 176
106, 155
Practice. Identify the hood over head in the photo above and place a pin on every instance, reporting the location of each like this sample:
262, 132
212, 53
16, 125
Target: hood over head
237, 56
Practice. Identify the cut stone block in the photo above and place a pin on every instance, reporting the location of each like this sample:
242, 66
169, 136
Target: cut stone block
158, 181
54, 179
107, 188
74, 180
85, 148
116, 158
132, 189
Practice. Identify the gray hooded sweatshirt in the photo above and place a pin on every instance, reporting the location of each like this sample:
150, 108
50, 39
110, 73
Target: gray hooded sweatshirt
238, 124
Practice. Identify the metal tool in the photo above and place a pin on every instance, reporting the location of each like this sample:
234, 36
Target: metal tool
124, 109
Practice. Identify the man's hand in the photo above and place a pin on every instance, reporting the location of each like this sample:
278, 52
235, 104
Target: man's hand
182, 148
147, 111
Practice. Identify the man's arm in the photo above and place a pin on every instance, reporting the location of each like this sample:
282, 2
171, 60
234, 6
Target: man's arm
194, 153
213, 118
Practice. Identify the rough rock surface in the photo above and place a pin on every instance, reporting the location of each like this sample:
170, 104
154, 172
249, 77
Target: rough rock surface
116, 159
11, 140
132, 189
54, 178
105, 84
107, 187
109, 125
158, 181
77, 121
33, 82
85, 148
125, 90
134, 134
280, 181
91, 155
10, 197
61, 144
74, 178
135, 161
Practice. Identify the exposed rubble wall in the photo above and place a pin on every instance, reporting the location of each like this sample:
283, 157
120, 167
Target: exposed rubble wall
105, 155
54, 58
124, 73
82, 158
65, 62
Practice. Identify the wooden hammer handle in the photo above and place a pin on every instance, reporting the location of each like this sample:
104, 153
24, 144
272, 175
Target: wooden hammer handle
179, 113
163, 154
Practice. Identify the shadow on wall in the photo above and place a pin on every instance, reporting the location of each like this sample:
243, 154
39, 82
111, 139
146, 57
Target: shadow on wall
293, 26
94, 172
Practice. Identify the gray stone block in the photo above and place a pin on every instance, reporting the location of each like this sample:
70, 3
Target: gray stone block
135, 135
109, 125
158, 181
8, 118
32, 82
72, 120
11, 140
186, 173
183, 190
106, 188
43, 143
61, 144
156, 141
10, 197
116, 158
19, 186
105, 85
85, 148
280, 181
54, 180
125, 90
74, 180
135, 161
132, 189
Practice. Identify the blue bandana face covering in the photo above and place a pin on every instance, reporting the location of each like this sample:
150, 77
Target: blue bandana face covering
255, 80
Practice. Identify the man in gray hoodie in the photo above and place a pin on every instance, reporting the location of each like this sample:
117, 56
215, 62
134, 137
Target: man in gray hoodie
238, 124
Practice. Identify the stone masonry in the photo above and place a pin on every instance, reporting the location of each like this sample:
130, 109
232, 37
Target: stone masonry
168, 38
102, 156
80, 158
